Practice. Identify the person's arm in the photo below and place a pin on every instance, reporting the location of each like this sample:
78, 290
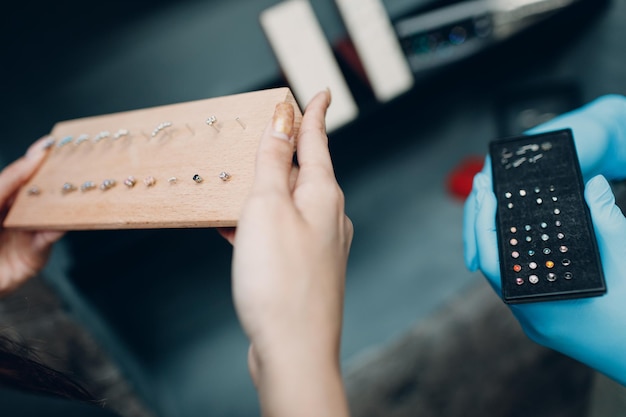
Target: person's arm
22, 254
289, 265
591, 330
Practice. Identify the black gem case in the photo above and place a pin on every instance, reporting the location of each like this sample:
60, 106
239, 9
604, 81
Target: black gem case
546, 242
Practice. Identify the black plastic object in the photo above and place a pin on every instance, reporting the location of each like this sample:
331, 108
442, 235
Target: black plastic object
546, 242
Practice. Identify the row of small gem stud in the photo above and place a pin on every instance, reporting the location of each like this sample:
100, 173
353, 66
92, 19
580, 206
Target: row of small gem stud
211, 121
129, 182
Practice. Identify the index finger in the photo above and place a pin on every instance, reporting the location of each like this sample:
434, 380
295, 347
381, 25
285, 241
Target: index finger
312, 144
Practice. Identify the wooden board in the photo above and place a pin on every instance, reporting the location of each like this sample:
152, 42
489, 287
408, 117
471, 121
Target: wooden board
171, 144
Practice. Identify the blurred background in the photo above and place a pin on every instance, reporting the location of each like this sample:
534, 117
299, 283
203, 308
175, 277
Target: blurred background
423, 336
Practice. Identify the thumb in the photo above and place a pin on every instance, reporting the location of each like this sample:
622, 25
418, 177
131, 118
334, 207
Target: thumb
42, 241
485, 232
275, 153
607, 218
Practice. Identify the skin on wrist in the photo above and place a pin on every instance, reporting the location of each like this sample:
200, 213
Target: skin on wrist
301, 384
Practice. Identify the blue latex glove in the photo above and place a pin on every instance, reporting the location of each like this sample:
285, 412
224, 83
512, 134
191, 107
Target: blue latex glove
590, 330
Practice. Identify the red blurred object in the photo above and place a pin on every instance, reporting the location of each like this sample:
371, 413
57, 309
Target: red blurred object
460, 180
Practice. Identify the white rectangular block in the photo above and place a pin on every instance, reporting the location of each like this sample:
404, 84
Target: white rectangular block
377, 46
306, 58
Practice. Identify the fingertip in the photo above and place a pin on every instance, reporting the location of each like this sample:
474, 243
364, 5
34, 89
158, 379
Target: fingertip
320, 101
42, 241
487, 166
608, 220
39, 147
17, 173
599, 188
228, 233
481, 182
605, 214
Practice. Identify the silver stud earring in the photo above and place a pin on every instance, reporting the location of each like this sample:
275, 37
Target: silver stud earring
212, 121
102, 135
130, 182
87, 185
121, 133
34, 190
107, 185
149, 181
197, 178
68, 188
82, 138
224, 176
160, 127
64, 141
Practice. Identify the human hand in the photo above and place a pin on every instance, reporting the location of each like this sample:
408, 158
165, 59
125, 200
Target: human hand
290, 254
22, 253
590, 329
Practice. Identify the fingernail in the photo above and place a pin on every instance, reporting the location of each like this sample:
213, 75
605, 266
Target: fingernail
39, 146
282, 123
330, 95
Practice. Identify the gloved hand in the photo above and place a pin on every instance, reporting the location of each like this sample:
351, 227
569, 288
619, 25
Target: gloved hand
590, 330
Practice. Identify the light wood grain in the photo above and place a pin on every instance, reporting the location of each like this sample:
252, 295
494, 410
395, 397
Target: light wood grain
188, 147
